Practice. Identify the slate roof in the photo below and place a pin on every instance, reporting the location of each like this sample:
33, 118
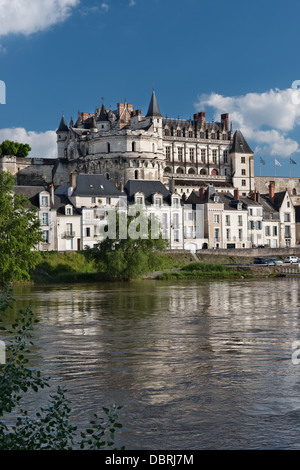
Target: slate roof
63, 125
153, 109
95, 185
239, 144
148, 188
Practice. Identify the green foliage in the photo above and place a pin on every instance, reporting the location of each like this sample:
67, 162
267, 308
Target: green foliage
19, 233
50, 428
11, 148
200, 270
130, 255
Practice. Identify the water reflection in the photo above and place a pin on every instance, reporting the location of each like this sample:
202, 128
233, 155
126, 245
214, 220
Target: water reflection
195, 365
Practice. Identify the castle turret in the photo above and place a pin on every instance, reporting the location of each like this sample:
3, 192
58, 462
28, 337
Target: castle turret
62, 133
242, 162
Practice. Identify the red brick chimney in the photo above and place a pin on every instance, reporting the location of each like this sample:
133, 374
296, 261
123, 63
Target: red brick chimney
225, 120
257, 196
184, 197
272, 191
236, 194
200, 117
201, 194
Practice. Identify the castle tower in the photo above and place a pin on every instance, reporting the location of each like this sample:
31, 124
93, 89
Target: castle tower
62, 133
242, 163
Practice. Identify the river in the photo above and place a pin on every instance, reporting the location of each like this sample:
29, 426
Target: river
195, 365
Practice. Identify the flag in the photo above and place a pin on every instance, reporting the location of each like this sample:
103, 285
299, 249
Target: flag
277, 162
293, 162
262, 161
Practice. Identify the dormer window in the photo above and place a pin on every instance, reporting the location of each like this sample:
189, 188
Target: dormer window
69, 210
45, 201
216, 199
176, 202
158, 201
139, 200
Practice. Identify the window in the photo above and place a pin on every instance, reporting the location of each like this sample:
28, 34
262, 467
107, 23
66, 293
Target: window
274, 231
176, 202
176, 220
288, 204
45, 218
158, 202
243, 159
240, 234
88, 231
214, 156
213, 136
243, 172
164, 223
168, 153
167, 132
243, 182
216, 218
176, 235
108, 147
227, 234
287, 231
139, 200
225, 156
178, 133
240, 220
227, 220
201, 135
203, 154
217, 239
45, 236
267, 231
190, 134
287, 217
45, 200
180, 154
250, 211
192, 155
133, 146
108, 201
68, 210
93, 200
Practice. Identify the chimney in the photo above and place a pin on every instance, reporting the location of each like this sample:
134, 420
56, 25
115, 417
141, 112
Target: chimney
73, 180
200, 117
271, 191
236, 195
201, 194
225, 120
257, 197
52, 193
184, 197
171, 185
120, 107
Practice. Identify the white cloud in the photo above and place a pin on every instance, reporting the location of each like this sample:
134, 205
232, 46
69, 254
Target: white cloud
266, 118
132, 3
105, 6
30, 16
43, 144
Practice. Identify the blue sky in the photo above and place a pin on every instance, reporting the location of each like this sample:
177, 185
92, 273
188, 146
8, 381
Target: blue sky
239, 57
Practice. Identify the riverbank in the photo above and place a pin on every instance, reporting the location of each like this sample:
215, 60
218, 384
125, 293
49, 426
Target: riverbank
74, 267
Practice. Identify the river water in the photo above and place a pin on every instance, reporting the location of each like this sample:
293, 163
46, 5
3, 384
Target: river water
195, 365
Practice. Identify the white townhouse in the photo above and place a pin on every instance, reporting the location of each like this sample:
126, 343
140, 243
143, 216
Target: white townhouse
95, 197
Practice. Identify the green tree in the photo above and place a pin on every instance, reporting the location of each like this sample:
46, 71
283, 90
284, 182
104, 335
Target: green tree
19, 233
50, 428
11, 148
129, 247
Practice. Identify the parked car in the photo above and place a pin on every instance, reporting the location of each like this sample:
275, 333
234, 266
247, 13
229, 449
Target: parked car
291, 259
260, 261
275, 261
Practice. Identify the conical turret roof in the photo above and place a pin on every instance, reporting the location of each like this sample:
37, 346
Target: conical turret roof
239, 144
153, 109
63, 125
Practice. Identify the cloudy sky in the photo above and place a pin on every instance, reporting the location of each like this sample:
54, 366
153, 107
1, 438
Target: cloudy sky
61, 56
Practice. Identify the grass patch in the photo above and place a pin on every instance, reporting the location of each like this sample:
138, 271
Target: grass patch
200, 270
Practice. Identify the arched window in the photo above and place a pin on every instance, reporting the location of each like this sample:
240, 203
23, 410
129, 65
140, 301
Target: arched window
203, 172
167, 170
179, 171
167, 132
178, 133
214, 172
191, 171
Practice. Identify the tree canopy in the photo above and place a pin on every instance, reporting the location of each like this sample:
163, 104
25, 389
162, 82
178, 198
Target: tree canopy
129, 248
11, 148
19, 233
